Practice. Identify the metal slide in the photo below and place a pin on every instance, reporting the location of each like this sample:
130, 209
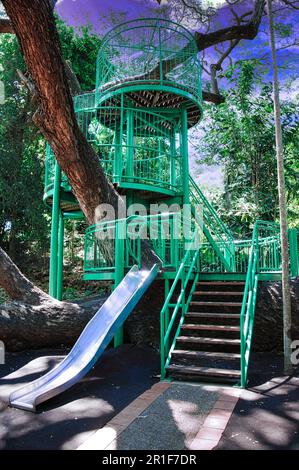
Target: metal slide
90, 345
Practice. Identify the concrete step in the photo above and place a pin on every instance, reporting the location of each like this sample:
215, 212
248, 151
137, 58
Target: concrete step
203, 371
219, 293
192, 326
220, 283
191, 355
205, 340
233, 316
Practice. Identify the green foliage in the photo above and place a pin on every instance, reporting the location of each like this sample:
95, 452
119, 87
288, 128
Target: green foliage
80, 47
22, 215
239, 135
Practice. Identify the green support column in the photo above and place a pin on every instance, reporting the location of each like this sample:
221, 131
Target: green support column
54, 233
184, 154
117, 156
172, 160
166, 292
60, 256
130, 143
294, 253
119, 269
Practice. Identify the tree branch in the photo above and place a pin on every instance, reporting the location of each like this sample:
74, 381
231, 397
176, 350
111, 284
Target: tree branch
16, 284
247, 30
212, 97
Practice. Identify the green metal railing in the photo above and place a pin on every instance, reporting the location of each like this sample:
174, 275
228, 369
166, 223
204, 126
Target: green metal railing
216, 232
165, 232
294, 251
137, 148
264, 256
50, 173
269, 249
173, 312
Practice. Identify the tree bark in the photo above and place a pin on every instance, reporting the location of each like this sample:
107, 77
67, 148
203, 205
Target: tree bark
50, 323
248, 30
33, 319
17, 285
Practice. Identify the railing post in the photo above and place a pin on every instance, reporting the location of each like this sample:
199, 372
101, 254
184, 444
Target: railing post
119, 267
184, 154
162, 345
256, 241
173, 181
294, 253
130, 143
242, 351
117, 163
166, 319
174, 240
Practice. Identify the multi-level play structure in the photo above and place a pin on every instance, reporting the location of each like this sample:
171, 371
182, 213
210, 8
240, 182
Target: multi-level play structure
147, 95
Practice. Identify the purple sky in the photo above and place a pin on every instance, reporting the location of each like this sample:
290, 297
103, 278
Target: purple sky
101, 14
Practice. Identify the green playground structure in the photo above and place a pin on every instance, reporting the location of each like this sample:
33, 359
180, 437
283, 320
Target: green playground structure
147, 95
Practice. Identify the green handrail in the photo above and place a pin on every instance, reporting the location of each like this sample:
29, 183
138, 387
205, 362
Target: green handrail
264, 256
184, 275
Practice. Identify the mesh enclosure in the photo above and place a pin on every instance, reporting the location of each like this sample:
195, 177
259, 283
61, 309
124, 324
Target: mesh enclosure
148, 51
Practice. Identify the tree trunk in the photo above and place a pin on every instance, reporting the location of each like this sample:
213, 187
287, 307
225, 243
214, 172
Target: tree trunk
50, 323
33, 319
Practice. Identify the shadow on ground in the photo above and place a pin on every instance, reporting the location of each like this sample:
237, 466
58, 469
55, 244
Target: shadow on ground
267, 413
65, 421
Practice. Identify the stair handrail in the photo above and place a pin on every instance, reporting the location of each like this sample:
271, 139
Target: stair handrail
211, 209
184, 275
250, 292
